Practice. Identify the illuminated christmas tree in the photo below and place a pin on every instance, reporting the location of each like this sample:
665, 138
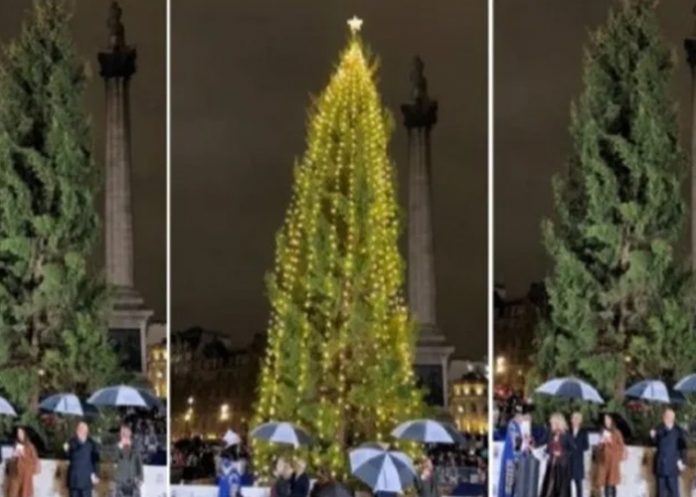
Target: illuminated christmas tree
340, 351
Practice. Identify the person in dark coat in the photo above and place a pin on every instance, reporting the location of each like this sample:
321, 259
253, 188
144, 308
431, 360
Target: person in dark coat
426, 482
581, 444
299, 484
559, 448
670, 442
83, 457
283, 476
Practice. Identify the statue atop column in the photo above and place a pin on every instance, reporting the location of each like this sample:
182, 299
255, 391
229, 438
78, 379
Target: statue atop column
419, 82
117, 33
422, 112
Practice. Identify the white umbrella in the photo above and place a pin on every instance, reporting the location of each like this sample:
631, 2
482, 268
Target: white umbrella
686, 384
63, 403
6, 408
427, 431
570, 388
282, 433
231, 438
124, 396
382, 470
649, 390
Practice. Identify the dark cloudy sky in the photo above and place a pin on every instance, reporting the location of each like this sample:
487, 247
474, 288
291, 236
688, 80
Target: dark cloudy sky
538, 63
242, 75
145, 23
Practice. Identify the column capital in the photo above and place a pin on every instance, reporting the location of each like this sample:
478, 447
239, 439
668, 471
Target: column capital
119, 60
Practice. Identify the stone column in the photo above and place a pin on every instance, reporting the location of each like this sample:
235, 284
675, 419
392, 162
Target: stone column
690, 46
432, 351
129, 318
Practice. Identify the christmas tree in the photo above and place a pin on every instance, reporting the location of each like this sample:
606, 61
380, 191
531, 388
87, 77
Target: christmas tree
621, 301
52, 311
340, 351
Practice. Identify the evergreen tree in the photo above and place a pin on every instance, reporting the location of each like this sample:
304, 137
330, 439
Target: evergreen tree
621, 301
52, 311
340, 351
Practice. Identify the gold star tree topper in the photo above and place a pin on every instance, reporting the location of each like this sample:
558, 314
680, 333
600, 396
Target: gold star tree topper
355, 23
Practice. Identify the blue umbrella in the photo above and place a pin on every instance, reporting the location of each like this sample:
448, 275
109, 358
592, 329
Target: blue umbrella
649, 390
383, 471
570, 388
6, 408
282, 433
63, 403
427, 431
686, 384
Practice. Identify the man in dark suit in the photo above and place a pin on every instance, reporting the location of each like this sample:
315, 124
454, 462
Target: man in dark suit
670, 443
84, 462
581, 444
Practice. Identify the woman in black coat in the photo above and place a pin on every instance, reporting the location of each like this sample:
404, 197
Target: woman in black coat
557, 478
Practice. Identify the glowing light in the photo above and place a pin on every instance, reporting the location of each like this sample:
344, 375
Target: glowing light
355, 24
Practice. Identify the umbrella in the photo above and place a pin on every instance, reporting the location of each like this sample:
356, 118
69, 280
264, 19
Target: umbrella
282, 433
686, 384
649, 390
570, 388
6, 408
231, 438
427, 431
124, 396
63, 403
383, 471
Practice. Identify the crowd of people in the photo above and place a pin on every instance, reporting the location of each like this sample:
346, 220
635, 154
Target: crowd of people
565, 445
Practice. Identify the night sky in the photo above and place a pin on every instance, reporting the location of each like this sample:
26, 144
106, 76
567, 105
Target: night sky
242, 76
145, 23
538, 64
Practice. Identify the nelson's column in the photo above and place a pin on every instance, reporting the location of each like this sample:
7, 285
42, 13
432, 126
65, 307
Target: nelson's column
432, 350
129, 316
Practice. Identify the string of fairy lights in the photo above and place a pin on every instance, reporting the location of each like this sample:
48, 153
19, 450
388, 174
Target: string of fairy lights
339, 358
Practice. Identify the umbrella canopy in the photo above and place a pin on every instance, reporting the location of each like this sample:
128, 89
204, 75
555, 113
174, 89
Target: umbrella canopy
231, 438
383, 471
686, 384
570, 388
63, 403
282, 433
6, 408
427, 431
649, 390
124, 396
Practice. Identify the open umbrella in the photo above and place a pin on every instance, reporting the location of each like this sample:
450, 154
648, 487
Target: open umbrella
570, 388
6, 408
427, 431
231, 438
383, 471
63, 403
124, 396
282, 433
686, 384
649, 390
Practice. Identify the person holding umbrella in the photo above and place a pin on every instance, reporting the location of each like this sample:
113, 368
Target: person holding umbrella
559, 448
23, 466
670, 443
299, 482
283, 475
581, 444
611, 451
83, 466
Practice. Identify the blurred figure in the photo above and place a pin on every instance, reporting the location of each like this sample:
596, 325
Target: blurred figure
22, 467
283, 475
299, 484
559, 449
83, 466
610, 453
426, 482
670, 442
229, 477
581, 444
129, 466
